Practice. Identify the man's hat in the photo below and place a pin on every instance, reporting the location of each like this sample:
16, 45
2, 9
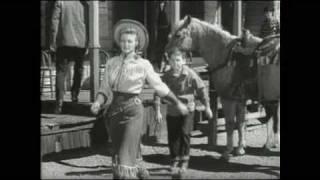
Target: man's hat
123, 24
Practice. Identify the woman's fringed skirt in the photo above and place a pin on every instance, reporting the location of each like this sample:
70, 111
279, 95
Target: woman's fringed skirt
125, 119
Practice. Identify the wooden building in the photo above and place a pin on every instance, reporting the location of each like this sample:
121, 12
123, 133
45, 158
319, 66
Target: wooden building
221, 12
231, 15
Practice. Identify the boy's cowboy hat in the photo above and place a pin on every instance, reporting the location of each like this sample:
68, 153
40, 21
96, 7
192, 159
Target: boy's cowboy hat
143, 37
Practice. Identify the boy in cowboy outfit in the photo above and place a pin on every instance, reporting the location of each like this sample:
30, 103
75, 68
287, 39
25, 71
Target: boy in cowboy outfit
186, 85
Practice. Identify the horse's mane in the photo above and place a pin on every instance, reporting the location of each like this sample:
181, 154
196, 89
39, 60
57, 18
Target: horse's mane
214, 28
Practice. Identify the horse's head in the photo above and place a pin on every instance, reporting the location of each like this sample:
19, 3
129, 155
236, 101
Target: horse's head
210, 40
181, 36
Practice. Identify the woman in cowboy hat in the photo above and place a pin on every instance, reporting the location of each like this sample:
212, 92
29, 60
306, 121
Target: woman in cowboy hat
124, 79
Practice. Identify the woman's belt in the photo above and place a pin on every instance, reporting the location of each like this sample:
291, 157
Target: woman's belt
120, 97
122, 101
117, 94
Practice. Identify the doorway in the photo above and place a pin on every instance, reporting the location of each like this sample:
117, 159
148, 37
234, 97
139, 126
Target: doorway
227, 10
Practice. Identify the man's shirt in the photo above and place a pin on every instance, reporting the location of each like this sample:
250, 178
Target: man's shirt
70, 24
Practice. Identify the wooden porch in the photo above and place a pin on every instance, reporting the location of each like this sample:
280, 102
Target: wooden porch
76, 127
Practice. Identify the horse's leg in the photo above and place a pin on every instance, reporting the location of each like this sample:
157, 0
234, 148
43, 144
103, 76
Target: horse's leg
228, 107
241, 123
271, 112
276, 126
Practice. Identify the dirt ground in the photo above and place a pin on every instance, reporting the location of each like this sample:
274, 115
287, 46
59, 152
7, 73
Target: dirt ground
94, 163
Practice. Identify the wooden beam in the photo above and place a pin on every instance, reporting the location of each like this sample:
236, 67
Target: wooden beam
175, 10
218, 13
237, 18
276, 5
43, 23
94, 46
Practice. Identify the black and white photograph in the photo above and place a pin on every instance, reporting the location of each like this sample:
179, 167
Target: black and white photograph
160, 89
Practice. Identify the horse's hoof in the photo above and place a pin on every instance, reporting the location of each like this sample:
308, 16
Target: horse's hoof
175, 174
182, 173
266, 149
240, 151
277, 141
274, 146
226, 156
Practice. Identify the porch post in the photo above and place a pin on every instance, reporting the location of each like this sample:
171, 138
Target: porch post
276, 5
175, 18
94, 46
218, 13
237, 19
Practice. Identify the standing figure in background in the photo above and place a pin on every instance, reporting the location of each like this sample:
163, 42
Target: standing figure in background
124, 79
163, 30
69, 38
186, 85
271, 24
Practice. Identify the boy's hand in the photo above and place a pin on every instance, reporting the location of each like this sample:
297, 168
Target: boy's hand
158, 117
209, 112
95, 107
52, 47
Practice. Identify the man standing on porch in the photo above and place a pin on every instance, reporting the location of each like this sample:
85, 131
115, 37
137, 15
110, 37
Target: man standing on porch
163, 30
69, 39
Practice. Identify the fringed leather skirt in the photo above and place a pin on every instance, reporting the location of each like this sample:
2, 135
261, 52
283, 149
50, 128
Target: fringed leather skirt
125, 119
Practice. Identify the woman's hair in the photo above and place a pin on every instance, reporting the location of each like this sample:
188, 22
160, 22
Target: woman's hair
130, 30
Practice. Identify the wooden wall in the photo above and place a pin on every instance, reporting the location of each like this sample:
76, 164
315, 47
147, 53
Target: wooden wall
105, 20
253, 15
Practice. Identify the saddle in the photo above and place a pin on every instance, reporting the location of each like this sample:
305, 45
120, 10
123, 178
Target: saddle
268, 51
267, 57
252, 79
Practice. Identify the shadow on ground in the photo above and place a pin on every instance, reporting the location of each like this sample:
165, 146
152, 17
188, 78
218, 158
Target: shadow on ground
102, 172
213, 164
254, 151
103, 150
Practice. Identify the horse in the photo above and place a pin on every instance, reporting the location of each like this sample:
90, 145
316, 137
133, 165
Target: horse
236, 81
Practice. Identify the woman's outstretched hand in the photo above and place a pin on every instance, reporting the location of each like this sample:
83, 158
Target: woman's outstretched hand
182, 108
95, 107
209, 112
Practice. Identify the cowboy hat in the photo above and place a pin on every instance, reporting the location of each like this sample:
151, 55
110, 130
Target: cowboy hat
143, 37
